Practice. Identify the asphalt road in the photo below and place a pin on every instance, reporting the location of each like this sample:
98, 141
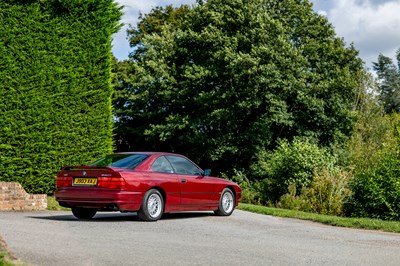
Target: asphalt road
57, 238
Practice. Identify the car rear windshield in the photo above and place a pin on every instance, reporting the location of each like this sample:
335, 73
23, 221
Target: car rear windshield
130, 161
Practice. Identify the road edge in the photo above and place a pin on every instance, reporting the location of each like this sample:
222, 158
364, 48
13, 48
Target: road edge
4, 248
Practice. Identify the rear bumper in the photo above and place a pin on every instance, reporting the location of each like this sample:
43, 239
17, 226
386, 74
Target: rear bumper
114, 200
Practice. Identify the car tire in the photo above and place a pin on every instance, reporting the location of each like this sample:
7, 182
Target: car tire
226, 203
152, 207
83, 213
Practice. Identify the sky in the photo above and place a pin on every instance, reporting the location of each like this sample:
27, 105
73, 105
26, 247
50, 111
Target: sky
373, 26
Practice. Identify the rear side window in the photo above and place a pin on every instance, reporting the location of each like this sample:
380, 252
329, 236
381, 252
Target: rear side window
183, 166
162, 165
130, 161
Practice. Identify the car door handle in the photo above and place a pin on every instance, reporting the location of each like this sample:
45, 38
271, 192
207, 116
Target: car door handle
183, 181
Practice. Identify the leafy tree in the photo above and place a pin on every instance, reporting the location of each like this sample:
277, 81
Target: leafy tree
234, 76
389, 85
154, 23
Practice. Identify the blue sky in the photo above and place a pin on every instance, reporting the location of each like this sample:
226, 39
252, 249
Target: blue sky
372, 25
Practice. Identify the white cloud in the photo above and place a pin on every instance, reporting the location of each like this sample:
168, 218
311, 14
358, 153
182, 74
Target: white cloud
323, 13
373, 26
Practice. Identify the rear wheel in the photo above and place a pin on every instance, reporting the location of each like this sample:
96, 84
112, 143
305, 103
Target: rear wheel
226, 203
83, 213
152, 207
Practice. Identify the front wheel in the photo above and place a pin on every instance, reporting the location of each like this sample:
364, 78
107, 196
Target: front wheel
226, 203
152, 207
83, 213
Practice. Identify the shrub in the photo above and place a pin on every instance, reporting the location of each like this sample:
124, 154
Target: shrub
292, 163
55, 87
375, 156
291, 201
251, 191
376, 191
326, 194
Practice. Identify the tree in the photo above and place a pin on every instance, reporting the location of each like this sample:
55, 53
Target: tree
389, 82
55, 87
154, 23
233, 77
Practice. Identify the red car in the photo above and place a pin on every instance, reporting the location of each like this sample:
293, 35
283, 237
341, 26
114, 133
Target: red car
149, 183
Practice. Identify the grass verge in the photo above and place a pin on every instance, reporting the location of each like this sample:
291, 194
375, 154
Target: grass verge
4, 259
361, 223
53, 205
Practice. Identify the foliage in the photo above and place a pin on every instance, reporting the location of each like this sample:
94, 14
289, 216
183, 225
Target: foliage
374, 156
327, 193
55, 87
154, 23
4, 261
292, 163
375, 187
372, 138
364, 223
231, 77
389, 82
251, 190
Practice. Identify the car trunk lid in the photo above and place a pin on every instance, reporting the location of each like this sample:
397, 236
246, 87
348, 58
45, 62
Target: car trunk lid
90, 176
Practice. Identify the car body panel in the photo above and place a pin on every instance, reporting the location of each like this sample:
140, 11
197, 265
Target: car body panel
181, 192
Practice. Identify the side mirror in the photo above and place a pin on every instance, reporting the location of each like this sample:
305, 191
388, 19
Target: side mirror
207, 172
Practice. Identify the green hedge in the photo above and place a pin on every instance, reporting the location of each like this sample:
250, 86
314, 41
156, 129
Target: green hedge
55, 87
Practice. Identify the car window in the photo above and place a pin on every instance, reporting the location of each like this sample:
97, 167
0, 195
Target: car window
161, 164
183, 166
121, 160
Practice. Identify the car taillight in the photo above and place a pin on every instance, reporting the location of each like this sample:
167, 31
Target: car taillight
111, 182
64, 181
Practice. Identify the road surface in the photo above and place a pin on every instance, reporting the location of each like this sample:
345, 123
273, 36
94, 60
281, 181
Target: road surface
58, 238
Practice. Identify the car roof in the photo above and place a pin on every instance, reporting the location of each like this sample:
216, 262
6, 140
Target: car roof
149, 153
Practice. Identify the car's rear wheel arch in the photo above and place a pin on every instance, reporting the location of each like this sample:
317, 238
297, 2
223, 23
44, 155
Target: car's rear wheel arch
153, 204
163, 194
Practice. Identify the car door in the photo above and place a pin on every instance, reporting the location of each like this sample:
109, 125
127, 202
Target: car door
196, 189
168, 180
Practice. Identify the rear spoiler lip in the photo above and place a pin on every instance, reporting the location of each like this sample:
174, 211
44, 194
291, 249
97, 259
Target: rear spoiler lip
86, 167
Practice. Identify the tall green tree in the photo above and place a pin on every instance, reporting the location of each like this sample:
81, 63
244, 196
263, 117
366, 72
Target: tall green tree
55, 87
389, 82
233, 77
154, 23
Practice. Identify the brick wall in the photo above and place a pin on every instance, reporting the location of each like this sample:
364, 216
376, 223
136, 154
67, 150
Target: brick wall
14, 198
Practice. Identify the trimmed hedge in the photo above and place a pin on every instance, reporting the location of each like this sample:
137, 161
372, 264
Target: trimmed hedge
55, 87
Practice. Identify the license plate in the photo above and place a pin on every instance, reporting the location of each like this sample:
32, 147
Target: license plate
80, 181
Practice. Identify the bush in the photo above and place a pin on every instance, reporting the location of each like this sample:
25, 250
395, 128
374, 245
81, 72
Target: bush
291, 164
55, 87
376, 191
375, 156
326, 195
251, 191
374, 136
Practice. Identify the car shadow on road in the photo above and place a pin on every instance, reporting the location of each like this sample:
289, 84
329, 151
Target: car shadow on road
122, 217
185, 215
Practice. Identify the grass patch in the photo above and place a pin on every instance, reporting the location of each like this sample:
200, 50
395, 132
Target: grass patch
362, 223
5, 259
53, 205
